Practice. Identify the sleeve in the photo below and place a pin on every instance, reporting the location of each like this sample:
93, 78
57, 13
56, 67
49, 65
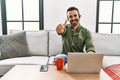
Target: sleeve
89, 42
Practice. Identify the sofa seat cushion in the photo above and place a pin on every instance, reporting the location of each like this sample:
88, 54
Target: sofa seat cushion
14, 45
110, 60
113, 71
25, 60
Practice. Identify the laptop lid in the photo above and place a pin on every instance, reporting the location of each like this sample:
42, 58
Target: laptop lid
84, 63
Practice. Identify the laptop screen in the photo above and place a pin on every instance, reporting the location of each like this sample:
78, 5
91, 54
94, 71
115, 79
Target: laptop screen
84, 63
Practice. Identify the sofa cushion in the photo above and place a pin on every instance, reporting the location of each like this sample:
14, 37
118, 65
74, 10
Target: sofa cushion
14, 45
55, 43
31, 60
107, 43
37, 41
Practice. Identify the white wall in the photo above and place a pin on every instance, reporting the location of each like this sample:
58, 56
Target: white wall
55, 12
0, 20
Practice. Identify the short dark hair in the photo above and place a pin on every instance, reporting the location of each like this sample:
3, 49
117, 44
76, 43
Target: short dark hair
73, 8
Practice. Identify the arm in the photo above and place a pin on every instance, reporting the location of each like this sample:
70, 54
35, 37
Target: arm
89, 44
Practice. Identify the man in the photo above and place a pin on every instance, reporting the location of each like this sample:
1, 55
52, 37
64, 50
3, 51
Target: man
74, 35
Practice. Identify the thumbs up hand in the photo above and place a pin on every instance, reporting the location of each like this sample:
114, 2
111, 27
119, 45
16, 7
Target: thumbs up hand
60, 28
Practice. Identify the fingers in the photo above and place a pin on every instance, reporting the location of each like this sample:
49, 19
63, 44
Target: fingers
60, 27
90, 52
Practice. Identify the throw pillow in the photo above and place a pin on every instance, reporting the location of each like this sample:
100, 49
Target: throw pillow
14, 45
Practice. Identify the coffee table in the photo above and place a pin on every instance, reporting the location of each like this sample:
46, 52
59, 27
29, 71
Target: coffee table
31, 72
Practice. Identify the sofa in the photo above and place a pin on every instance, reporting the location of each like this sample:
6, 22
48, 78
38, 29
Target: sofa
43, 45
38, 43
108, 44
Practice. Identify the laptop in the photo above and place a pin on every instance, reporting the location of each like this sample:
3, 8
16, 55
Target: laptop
84, 63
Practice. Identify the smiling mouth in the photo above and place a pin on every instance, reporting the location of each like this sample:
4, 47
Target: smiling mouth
74, 21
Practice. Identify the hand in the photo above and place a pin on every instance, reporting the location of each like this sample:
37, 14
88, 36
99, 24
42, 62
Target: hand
90, 52
60, 28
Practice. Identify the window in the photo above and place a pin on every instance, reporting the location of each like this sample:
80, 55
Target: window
108, 16
22, 15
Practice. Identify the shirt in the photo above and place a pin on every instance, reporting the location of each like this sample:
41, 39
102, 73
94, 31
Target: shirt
75, 41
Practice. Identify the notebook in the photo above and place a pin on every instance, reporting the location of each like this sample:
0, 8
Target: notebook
84, 63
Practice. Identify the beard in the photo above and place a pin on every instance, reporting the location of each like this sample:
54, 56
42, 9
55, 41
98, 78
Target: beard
74, 22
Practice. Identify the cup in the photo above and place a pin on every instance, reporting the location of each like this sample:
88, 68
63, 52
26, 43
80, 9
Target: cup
61, 56
59, 62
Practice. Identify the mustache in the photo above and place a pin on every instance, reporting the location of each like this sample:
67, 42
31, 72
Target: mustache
74, 20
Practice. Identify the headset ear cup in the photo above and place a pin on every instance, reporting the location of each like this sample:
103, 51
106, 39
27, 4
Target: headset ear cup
67, 18
79, 15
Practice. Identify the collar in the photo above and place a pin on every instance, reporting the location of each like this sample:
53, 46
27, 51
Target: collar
78, 29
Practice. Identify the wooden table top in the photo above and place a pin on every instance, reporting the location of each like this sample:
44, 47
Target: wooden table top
32, 72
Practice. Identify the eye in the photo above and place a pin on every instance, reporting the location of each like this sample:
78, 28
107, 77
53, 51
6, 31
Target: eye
70, 16
75, 15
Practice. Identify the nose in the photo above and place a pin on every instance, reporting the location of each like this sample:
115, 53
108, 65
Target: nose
73, 18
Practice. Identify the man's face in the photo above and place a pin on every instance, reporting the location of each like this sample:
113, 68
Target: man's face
73, 17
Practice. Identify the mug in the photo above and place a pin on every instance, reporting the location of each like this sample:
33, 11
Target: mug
61, 56
59, 62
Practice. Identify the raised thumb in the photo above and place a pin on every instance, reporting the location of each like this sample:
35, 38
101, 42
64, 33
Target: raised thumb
65, 23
